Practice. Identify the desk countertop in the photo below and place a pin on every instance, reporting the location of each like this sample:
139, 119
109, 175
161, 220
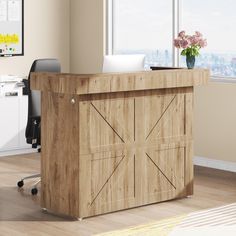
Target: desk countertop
118, 82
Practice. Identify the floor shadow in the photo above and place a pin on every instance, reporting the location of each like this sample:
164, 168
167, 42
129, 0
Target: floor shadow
19, 205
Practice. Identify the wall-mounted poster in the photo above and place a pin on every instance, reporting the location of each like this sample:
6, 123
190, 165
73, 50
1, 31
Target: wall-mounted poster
11, 27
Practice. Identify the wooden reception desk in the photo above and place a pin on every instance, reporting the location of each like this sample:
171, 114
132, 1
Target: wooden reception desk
116, 141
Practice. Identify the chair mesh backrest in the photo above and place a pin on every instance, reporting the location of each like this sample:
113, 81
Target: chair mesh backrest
34, 97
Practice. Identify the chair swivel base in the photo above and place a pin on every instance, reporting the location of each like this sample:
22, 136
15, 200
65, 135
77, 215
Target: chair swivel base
34, 190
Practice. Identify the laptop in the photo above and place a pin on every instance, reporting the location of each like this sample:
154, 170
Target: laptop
123, 63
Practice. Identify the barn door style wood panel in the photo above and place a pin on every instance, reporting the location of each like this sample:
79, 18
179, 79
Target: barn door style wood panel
135, 149
106, 165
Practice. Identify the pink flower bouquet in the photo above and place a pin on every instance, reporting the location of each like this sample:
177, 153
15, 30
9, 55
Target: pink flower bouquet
191, 44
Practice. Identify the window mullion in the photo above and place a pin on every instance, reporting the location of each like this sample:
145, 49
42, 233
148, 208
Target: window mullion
177, 19
109, 27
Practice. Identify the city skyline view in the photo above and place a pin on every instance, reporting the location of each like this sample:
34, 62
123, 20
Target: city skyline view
220, 64
215, 21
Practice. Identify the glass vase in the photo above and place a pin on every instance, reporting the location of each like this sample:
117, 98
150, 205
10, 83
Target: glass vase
190, 61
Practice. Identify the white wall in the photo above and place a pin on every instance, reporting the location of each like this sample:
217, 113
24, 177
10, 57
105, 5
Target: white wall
87, 35
46, 35
215, 121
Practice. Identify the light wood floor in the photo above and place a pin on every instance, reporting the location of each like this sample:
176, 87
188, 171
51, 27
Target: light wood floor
20, 213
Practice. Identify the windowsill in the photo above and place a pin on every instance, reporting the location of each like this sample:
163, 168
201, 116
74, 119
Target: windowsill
223, 79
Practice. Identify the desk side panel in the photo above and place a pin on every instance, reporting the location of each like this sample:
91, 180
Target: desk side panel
59, 157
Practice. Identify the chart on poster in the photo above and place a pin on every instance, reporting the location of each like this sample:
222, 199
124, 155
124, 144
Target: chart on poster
11, 27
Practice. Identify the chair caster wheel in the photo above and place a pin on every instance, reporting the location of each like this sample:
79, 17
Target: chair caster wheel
34, 191
44, 210
20, 184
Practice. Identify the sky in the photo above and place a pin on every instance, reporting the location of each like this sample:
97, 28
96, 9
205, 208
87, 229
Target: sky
216, 19
147, 24
142, 24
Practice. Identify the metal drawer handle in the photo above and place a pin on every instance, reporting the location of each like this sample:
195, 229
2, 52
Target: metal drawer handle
20, 84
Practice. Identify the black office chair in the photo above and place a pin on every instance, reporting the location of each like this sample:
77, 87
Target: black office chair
32, 132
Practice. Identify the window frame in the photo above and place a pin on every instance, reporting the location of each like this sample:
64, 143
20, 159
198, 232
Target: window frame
177, 8
176, 26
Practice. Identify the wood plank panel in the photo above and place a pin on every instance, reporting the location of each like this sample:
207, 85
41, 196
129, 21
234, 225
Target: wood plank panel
118, 82
60, 148
106, 184
143, 138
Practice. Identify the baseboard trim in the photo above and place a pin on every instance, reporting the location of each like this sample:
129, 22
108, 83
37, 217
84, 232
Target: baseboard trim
17, 152
216, 164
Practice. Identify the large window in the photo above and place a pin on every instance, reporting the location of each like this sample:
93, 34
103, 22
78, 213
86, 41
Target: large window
148, 26
216, 19
143, 27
